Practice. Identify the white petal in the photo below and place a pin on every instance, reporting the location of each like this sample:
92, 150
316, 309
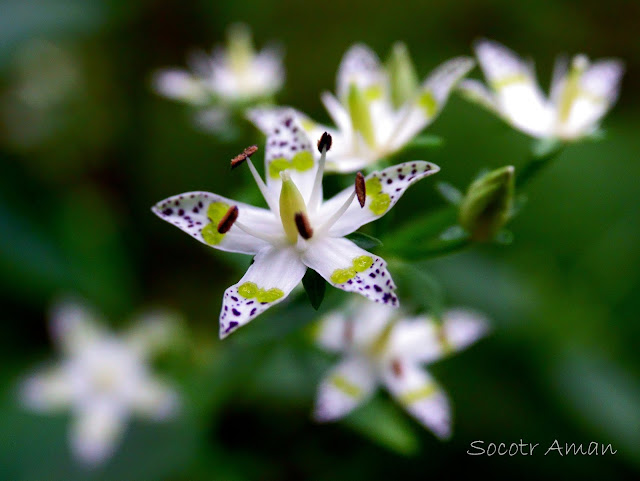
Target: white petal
96, 431
558, 78
338, 113
73, 326
266, 118
599, 88
422, 339
155, 399
355, 326
430, 100
518, 95
198, 214
345, 266
179, 85
359, 66
477, 92
419, 394
215, 119
382, 194
48, 390
153, 332
272, 276
463, 327
347, 385
289, 148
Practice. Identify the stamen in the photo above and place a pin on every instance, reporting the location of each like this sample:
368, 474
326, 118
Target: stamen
324, 144
272, 239
228, 219
337, 214
240, 158
397, 367
263, 188
304, 228
361, 190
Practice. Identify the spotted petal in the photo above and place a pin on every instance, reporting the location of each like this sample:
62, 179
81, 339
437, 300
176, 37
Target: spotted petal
430, 100
347, 385
599, 87
345, 266
272, 276
354, 326
360, 66
383, 190
419, 394
518, 95
198, 214
289, 148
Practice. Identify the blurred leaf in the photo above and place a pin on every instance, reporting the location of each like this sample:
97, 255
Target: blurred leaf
315, 286
415, 283
364, 241
383, 423
426, 141
450, 193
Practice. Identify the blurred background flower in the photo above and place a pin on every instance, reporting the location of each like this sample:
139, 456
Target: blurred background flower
82, 165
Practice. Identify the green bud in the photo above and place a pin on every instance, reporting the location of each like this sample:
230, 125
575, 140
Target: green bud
360, 115
487, 204
402, 75
291, 203
240, 47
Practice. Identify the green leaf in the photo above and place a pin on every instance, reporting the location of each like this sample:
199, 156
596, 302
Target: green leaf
382, 422
364, 241
315, 286
415, 283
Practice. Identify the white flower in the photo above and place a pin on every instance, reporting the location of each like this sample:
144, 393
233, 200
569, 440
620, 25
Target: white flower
299, 229
377, 111
102, 379
236, 75
382, 346
579, 96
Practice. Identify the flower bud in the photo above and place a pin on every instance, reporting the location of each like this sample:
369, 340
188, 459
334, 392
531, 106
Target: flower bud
487, 204
402, 75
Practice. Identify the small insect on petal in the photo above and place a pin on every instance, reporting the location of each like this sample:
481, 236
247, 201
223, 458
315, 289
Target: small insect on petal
304, 228
228, 220
240, 158
324, 144
361, 190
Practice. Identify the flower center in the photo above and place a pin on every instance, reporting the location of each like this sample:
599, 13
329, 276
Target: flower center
291, 205
572, 87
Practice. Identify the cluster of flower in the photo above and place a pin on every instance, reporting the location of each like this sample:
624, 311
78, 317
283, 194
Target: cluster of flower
377, 111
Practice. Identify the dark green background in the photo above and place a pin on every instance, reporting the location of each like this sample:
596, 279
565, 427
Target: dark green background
80, 174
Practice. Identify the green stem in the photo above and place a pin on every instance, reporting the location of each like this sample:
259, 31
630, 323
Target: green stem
537, 163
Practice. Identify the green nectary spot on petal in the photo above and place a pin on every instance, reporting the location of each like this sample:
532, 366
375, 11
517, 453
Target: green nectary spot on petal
341, 276
307, 124
271, 295
216, 211
362, 263
346, 386
248, 290
428, 103
373, 93
373, 186
278, 165
380, 203
302, 161
211, 235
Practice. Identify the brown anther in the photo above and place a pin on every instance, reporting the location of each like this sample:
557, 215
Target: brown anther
240, 158
361, 190
397, 367
325, 142
228, 220
304, 228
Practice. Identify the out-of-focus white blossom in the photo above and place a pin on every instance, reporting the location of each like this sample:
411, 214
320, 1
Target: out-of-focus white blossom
384, 346
103, 379
581, 93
